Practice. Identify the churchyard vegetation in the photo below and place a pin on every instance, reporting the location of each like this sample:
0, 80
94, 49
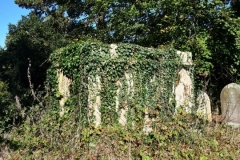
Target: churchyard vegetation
52, 36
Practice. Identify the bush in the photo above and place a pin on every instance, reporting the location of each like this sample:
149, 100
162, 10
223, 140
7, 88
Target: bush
8, 111
181, 136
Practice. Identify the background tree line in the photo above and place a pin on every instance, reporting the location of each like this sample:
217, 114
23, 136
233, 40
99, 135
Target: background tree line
208, 28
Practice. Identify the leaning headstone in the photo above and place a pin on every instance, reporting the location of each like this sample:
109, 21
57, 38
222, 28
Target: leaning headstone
204, 106
230, 103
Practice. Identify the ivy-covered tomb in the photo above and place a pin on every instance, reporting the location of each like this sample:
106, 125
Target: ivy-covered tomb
121, 83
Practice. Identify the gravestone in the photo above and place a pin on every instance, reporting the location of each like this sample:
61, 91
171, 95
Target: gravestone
204, 106
230, 103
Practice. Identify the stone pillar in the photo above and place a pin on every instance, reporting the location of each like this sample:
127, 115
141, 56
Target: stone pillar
112, 50
94, 99
130, 90
63, 88
185, 57
147, 128
119, 86
184, 89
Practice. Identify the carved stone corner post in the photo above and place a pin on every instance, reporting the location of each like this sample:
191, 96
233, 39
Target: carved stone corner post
186, 57
63, 87
130, 90
147, 128
113, 48
94, 99
122, 119
183, 91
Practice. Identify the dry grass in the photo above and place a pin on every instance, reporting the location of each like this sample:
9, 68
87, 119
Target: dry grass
180, 138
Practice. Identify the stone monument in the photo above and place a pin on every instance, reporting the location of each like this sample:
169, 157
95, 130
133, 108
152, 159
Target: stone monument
230, 103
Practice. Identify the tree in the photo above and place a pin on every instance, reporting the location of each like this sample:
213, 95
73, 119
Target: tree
209, 29
31, 39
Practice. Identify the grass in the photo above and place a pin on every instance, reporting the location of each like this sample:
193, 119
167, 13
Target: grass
181, 136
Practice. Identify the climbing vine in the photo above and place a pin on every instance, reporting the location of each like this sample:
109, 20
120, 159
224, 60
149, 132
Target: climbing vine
144, 78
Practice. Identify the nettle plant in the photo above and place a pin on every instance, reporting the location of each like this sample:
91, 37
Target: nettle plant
152, 72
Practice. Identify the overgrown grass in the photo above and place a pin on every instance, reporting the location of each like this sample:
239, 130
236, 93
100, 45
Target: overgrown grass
181, 136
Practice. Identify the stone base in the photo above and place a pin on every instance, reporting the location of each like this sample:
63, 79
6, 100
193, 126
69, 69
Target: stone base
234, 125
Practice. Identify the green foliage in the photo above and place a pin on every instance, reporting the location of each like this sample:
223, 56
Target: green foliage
8, 111
202, 60
153, 72
31, 39
182, 136
208, 29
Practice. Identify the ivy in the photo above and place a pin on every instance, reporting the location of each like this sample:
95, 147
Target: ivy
154, 72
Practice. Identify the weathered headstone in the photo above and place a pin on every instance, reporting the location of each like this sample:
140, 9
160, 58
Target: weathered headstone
230, 103
204, 106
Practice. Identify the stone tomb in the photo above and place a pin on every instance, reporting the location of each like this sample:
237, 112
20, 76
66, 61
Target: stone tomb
230, 103
183, 91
